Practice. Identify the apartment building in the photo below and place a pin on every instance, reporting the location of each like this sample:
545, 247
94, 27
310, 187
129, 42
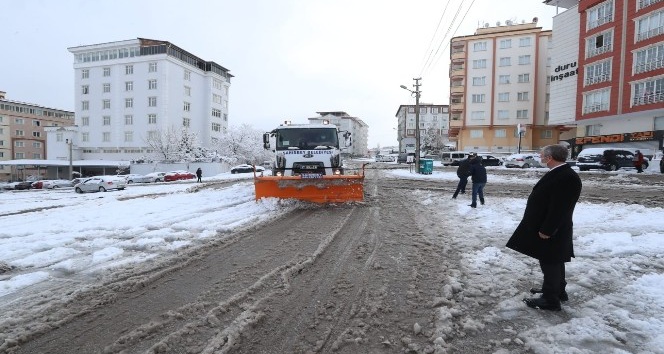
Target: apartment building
434, 126
357, 127
128, 92
22, 132
499, 89
620, 82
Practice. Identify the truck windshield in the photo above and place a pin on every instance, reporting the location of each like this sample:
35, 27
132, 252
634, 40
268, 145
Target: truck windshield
307, 138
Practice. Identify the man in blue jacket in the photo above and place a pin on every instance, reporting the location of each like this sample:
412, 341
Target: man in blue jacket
478, 177
545, 232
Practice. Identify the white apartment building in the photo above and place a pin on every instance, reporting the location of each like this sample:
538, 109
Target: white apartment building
359, 129
128, 91
498, 82
434, 126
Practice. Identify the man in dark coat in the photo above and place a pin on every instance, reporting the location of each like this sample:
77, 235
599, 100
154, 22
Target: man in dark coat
199, 174
478, 177
545, 232
463, 172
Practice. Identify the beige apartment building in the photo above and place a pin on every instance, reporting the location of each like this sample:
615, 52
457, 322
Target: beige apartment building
22, 133
498, 86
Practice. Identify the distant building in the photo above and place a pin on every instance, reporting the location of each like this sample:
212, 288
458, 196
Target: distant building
22, 134
434, 127
129, 91
616, 50
359, 129
498, 83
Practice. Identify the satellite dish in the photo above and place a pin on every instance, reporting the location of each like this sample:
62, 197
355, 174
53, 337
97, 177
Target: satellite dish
498, 23
535, 19
486, 25
508, 22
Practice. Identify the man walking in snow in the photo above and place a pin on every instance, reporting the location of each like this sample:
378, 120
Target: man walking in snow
199, 174
545, 232
463, 172
478, 177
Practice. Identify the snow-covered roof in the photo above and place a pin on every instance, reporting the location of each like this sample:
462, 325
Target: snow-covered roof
23, 162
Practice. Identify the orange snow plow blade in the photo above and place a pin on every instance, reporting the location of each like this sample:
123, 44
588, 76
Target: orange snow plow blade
327, 189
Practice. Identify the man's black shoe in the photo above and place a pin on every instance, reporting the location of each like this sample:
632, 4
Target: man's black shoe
563, 296
473, 206
542, 304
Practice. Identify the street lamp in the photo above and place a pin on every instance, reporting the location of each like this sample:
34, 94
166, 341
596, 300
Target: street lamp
417, 93
71, 168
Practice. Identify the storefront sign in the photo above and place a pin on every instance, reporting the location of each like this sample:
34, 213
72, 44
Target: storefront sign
616, 138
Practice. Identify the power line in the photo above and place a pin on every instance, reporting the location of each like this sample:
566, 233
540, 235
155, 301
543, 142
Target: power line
459, 25
445, 36
435, 32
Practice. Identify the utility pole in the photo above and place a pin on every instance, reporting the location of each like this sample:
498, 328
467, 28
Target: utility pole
71, 168
417, 123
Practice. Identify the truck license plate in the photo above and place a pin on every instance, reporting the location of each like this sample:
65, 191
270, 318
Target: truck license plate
311, 175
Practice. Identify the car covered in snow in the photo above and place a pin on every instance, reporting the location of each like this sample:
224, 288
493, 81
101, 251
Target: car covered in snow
523, 160
100, 184
178, 176
245, 168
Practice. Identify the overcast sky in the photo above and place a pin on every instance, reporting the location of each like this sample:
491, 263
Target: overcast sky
290, 58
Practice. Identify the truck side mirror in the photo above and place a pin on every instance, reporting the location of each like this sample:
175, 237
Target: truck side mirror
266, 141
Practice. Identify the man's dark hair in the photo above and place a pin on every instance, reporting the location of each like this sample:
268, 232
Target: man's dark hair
556, 152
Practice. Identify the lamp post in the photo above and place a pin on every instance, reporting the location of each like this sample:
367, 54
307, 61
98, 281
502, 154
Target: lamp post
71, 168
417, 93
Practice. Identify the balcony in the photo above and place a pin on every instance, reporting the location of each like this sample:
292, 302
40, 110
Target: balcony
600, 21
595, 108
597, 51
456, 123
649, 34
457, 70
648, 98
597, 79
650, 66
458, 53
645, 3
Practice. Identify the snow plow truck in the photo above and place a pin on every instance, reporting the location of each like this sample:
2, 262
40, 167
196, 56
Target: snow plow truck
308, 165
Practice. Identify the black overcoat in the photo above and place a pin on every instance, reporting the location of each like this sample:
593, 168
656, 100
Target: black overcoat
549, 210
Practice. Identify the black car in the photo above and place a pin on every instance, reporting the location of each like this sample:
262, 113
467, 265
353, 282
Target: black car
489, 160
608, 159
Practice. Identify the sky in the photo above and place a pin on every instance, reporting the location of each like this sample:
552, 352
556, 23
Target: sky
615, 282
290, 58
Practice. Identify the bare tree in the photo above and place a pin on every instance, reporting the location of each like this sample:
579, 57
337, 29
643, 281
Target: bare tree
175, 144
242, 144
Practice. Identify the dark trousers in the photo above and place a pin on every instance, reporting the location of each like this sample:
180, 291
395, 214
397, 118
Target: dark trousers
199, 179
639, 168
461, 187
478, 190
554, 280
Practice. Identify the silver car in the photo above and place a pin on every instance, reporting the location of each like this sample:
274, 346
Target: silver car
57, 183
100, 184
523, 160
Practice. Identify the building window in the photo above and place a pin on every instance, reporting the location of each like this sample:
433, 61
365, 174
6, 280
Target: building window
523, 78
107, 72
187, 91
645, 3
596, 101
479, 46
503, 97
186, 106
423, 110
546, 134
216, 127
107, 88
36, 134
503, 114
36, 144
129, 69
85, 137
59, 137
479, 64
129, 86
106, 104
522, 114
128, 137
476, 133
19, 144
522, 96
152, 101
152, 119
649, 59
411, 109
216, 112
599, 44
435, 110
650, 26
648, 92
598, 72
19, 121
106, 137
477, 115
152, 68
599, 15
216, 83
19, 155
504, 79
505, 43
593, 130
106, 120
479, 81
524, 42
186, 122
129, 102
85, 105
129, 119
85, 89
153, 134
505, 61
479, 98
187, 75
500, 133
85, 74
524, 59
152, 84
217, 99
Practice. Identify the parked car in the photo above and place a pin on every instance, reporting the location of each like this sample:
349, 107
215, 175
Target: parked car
57, 183
136, 178
100, 184
38, 184
609, 159
452, 158
156, 176
384, 158
490, 160
244, 168
403, 157
18, 185
178, 176
523, 160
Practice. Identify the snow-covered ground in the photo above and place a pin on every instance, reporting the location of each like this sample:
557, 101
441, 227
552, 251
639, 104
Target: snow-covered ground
53, 234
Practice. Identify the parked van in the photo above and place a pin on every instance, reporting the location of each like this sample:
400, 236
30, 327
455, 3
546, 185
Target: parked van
452, 158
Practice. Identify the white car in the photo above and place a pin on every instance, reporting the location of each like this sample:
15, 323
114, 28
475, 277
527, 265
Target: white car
136, 178
385, 158
57, 183
100, 184
155, 176
523, 160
